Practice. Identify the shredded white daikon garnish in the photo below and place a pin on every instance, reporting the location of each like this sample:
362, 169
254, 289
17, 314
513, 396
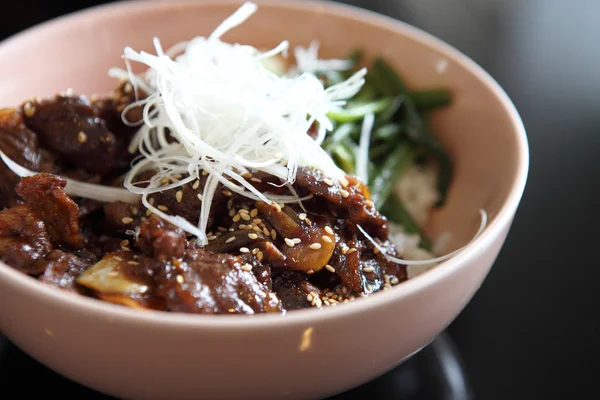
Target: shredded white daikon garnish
307, 60
215, 107
80, 189
362, 155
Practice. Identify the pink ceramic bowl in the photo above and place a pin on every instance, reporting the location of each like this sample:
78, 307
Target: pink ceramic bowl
304, 354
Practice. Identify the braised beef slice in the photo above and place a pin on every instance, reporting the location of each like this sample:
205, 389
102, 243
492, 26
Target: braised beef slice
120, 216
44, 194
354, 204
293, 288
160, 239
71, 127
61, 269
213, 283
21, 145
23, 239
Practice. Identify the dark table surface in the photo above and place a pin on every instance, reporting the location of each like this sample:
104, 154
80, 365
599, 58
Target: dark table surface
532, 331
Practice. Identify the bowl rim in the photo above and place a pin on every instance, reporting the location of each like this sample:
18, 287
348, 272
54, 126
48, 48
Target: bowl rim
309, 316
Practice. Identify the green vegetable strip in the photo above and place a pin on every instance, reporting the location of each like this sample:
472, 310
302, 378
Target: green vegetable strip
356, 111
431, 99
389, 172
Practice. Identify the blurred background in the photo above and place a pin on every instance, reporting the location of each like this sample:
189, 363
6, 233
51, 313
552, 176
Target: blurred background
533, 330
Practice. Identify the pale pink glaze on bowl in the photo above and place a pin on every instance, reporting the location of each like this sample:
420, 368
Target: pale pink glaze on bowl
304, 354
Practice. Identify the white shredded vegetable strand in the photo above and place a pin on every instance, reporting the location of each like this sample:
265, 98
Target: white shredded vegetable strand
227, 114
80, 189
362, 157
433, 260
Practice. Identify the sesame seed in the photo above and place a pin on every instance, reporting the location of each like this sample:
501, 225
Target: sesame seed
247, 175
199, 196
328, 182
245, 216
289, 242
254, 179
248, 227
133, 263
266, 231
344, 250
307, 221
204, 172
302, 216
163, 208
81, 137
242, 226
344, 181
256, 229
134, 210
309, 297
231, 239
330, 268
296, 240
144, 219
310, 272
179, 196
128, 88
368, 269
318, 303
260, 255
244, 250
243, 211
227, 193
254, 212
255, 251
352, 250
212, 237
113, 274
29, 109
127, 220
179, 278
327, 239
369, 203
257, 221
232, 213
369, 288
253, 236
230, 204
394, 280
196, 184
329, 230
273, 234
118, 258
236, 218
315, 246
344, 193
124, 243
246, 267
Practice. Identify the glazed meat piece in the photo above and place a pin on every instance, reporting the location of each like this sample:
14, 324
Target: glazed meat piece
160, 239
293, 289
21, 145
72, 128
23, 239
351, 201
44, 194
210, 283
61, 269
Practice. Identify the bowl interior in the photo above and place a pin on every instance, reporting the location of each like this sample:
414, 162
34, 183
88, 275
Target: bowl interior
477, 129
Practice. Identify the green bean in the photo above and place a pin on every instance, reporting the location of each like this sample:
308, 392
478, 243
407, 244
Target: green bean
389, 112
355, 111
382, 182
339, 133
390, 82
430, 99
395, 211
387, 132
345, 155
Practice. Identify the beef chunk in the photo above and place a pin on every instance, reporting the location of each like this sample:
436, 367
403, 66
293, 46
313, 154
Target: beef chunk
351, 200
213, 283
71, 127
23, 239
21, 145
61, 269
293, 288
44, 194
161, 239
